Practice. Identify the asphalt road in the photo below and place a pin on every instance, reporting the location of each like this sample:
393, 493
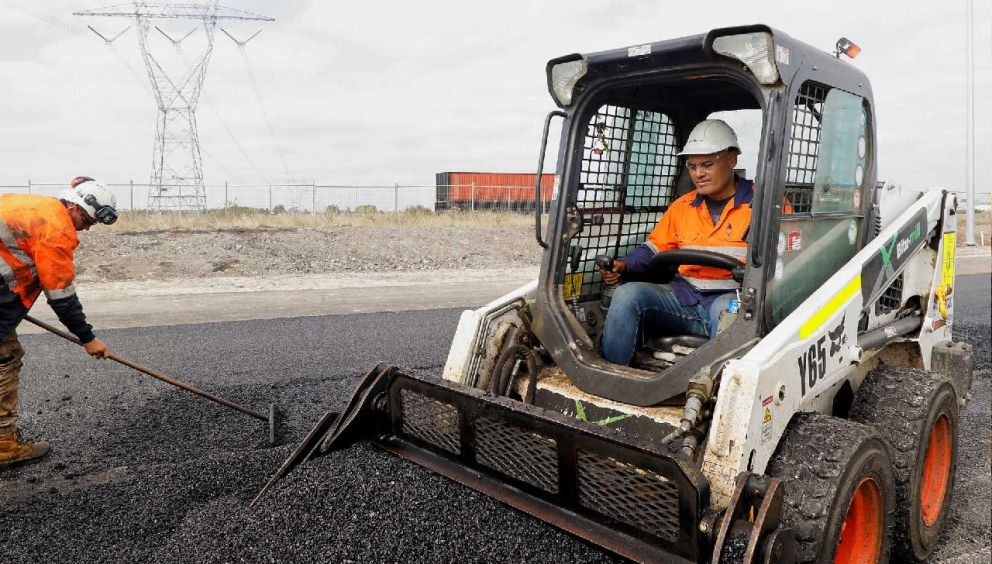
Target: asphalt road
143, 472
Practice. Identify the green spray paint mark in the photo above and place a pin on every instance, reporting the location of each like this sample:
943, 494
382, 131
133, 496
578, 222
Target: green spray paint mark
611, 420
580, 414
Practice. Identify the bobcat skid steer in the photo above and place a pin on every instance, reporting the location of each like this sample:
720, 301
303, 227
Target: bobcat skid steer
819, 424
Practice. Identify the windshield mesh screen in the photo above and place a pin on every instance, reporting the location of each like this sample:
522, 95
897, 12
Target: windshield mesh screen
804, 147
626, 182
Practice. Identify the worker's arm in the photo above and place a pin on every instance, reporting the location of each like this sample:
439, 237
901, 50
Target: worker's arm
661, 238
56, 272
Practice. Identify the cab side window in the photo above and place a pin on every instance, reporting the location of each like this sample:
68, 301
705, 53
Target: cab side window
826, 172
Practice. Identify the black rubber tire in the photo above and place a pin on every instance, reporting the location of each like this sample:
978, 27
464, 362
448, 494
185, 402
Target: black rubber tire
821, 461
903, 404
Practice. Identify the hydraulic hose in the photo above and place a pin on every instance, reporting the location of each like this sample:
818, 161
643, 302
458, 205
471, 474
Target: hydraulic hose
503, 369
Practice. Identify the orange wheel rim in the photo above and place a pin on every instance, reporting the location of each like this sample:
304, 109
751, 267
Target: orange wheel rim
861, 531
936, 470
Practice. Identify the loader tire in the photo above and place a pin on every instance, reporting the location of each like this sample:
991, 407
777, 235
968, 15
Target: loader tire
839, 489
916, 413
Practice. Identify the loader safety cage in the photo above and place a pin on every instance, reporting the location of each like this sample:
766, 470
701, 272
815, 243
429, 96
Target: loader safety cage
615, 491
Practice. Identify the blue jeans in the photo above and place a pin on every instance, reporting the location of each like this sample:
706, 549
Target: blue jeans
635, 303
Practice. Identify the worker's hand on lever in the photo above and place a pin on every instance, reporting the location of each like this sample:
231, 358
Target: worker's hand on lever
613, 276
97, 349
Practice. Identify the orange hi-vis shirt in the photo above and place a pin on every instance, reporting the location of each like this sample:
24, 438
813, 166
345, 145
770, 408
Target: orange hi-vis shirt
687, 225
37, 241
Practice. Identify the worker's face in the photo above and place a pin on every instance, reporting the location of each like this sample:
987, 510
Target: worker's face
80, 220
713, 174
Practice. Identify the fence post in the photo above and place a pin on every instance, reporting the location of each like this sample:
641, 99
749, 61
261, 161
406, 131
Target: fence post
473, 196
313, 196
396, 197
270, 198
509, 206
132, 195
225, 194
29, 185
356, 198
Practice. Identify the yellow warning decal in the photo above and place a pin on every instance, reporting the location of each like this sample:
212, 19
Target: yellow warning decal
572, 287
947, 267
768, 416
830, 308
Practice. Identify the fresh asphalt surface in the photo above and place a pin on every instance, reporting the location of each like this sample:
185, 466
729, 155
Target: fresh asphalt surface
141, 471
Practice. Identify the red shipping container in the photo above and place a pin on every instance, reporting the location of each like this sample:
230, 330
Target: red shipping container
481, 190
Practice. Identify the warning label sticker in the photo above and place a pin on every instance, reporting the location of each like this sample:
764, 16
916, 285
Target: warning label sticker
766, 426
794, 241
947, 266
572, 286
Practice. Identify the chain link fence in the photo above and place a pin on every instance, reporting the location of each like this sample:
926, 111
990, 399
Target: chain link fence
320, 198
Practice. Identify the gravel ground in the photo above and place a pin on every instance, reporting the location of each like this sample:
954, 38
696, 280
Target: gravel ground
148, 255
144, 472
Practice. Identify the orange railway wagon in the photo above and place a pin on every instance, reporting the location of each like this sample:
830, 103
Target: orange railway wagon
490, 190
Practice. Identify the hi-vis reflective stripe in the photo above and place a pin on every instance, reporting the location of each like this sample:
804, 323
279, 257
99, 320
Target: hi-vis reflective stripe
8, 240
8, 275
739, 252
711, 283
69, 290
840, 298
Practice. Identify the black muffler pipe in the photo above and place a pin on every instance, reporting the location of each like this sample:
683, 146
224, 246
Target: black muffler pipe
877, 337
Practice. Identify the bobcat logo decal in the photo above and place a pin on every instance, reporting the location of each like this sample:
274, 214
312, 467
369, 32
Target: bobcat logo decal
837, 337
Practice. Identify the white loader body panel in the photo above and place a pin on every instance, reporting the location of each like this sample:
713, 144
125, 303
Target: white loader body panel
812, 351
480, 334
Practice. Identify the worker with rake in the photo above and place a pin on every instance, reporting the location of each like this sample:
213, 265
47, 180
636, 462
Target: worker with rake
37, 241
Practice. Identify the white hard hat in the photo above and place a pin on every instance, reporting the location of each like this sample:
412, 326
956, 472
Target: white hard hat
710, 136
93, 197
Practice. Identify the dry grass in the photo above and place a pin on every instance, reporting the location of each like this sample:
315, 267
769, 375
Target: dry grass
983, 222
241, 219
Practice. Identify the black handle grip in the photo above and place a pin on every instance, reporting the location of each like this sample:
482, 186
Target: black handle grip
605, 262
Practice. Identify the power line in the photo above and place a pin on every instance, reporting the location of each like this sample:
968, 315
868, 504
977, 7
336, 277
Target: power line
258, 96
178, 45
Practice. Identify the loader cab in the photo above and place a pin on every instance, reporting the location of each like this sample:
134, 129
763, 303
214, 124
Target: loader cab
804, 122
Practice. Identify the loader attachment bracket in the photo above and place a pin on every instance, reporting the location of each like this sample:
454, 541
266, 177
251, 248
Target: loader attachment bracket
617, 491
750, 529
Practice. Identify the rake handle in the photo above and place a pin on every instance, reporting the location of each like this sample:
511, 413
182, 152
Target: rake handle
153, 373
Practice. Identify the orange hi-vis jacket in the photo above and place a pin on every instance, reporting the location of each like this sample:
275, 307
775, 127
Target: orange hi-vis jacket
688, 225
37, 241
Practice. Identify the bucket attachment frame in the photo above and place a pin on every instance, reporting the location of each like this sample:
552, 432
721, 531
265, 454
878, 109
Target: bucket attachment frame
618, 491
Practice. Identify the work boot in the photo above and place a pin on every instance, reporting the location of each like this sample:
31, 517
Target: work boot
15, 451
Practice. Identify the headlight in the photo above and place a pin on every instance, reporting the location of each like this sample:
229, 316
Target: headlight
564, 76
755, 50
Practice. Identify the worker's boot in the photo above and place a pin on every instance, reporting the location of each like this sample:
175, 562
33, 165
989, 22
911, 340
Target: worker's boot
15, 451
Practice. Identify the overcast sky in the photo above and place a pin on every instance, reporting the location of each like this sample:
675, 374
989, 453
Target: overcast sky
382, 92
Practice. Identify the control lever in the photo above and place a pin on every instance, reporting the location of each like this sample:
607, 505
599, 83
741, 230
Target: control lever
605, 262
574, 257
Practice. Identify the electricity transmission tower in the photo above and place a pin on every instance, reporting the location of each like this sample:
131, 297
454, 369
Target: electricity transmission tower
177, 171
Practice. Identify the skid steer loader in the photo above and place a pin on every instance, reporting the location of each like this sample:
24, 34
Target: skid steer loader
819, 424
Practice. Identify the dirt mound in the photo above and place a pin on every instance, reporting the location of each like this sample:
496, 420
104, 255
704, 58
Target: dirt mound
105, 256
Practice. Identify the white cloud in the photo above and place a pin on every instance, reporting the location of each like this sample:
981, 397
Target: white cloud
381, 92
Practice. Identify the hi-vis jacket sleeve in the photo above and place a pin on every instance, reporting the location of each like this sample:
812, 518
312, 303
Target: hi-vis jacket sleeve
660, 239
53, 258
